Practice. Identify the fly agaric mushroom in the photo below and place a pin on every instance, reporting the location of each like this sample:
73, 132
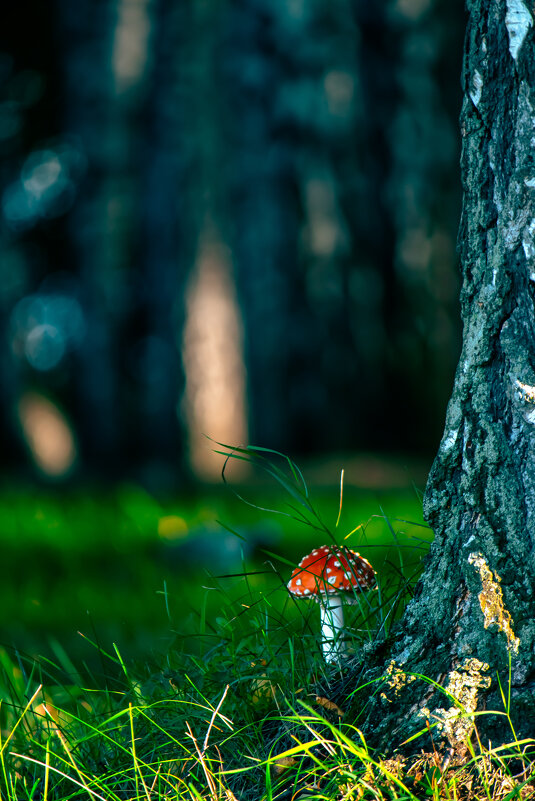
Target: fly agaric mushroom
327, 575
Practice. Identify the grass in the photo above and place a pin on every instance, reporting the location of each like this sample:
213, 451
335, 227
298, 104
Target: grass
242, 706
252, 714
124, 566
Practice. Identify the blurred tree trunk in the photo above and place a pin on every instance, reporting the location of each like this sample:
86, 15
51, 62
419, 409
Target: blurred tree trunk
302, 217
26, 54
342, 214
423, 199
123, 102
263, 220
372, 288
166, 238
97, 224
474, 608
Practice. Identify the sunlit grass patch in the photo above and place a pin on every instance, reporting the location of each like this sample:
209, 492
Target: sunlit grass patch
241, 720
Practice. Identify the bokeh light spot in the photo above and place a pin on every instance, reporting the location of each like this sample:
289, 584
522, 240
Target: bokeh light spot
48, 434
44, 327
172, 527
45, 347
45, 188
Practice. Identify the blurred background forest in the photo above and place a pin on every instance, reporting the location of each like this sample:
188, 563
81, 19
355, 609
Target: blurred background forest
225, 217
233, 218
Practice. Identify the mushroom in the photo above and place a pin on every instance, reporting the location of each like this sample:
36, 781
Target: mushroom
326, 575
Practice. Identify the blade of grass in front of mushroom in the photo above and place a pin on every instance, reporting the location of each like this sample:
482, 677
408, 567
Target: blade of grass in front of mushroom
353, 531
405, 572
358, 595
341, 498
246, 573
255, 456
296, 472
240, 454
367, 609
301, 496
290, 597
401, 569
394, 536
392, 599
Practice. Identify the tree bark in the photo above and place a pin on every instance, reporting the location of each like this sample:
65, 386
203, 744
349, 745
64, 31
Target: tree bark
472, 616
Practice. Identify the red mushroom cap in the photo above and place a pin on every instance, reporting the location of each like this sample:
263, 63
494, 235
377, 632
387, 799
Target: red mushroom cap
329, 569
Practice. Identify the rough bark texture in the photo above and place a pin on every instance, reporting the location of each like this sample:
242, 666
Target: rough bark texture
473, 613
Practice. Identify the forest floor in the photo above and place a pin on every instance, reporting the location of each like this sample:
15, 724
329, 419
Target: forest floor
128, 566
150, 649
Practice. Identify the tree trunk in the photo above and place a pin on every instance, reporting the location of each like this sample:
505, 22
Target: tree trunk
95, 228
423, 193
473, 613
167, 234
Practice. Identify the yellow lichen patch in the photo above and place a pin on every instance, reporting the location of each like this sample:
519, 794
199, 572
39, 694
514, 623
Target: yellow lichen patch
526, 392
491, 601
172, 527
396, 679
457, 722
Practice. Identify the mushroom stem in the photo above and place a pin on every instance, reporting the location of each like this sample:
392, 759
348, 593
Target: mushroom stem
332, 624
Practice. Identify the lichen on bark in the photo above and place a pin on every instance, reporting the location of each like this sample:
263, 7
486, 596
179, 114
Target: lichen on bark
456, 723
491, 601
